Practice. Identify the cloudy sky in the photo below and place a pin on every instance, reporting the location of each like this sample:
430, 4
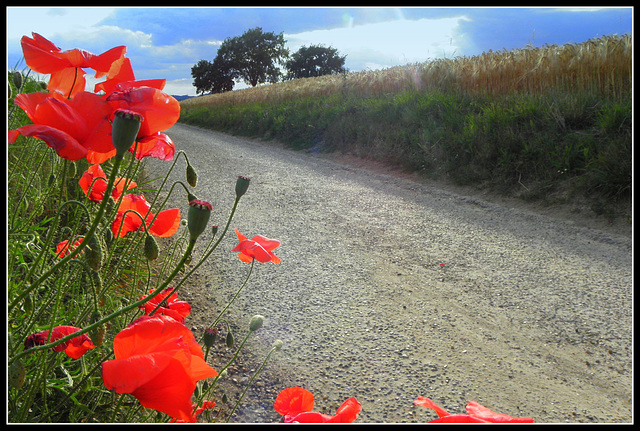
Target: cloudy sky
167, 42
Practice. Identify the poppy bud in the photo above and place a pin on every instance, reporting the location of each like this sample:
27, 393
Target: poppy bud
192, 176
229, 340
277, 344
124, 130
97, 334
72, 170
242, 184
17, 375
198, 217
210, 335
191, 197
256, 322
43, 85
108, 236
93, 253
151, 249
52, 179
214, 231
17, 79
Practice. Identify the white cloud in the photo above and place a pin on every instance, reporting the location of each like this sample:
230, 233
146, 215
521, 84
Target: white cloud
391, 43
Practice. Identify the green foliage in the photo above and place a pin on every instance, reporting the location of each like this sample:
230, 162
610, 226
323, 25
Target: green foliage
253, 56
504, 141
313, 61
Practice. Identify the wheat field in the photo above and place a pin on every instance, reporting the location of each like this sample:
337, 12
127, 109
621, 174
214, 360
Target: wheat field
602, 66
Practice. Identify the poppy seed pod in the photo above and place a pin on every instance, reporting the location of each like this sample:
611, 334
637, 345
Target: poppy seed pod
192, 176
125, 128
242, 184
256, 322
198, 217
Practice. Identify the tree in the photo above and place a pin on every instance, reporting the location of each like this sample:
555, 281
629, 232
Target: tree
214, 77
254, 56
315, 60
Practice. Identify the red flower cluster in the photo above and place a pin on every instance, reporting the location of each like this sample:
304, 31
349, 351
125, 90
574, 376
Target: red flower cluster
74, 348
179, 310
295, 404
166, 223
76, 123
476, 414
158, 361
96, 176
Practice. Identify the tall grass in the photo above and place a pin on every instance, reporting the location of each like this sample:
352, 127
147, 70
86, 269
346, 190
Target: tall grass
523, 120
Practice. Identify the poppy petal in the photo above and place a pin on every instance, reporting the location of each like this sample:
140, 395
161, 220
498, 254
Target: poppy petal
166, 223
481, 412
158, 146
64, 145
293, 400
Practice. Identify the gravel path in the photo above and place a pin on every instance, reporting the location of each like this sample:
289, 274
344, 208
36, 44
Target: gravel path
391, 288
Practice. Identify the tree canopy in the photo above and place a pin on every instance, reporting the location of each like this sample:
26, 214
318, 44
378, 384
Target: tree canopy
315, 60
257, 57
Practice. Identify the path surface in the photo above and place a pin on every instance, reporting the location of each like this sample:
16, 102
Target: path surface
391, 288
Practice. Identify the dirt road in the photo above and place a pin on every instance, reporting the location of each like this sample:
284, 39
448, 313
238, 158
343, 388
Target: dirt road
392, 287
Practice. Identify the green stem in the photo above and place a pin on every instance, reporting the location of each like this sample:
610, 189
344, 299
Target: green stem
83, 244
115, 313
273, 349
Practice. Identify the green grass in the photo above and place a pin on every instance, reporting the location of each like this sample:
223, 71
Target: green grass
501, 142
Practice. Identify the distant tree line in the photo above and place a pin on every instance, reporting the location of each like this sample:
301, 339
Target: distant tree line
257, 57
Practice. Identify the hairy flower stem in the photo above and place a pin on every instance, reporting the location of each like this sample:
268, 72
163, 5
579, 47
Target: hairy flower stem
273, 349
115, 313
215, 322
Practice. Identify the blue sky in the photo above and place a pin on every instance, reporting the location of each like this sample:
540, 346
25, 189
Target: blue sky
167, 42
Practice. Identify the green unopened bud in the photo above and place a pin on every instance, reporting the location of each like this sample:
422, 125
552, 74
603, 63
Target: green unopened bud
192, 176
17, 375
43, 85
256, 322
191, 197
108, 236
52, 179
277, 345
242, 184
97, 334
27, 304
72, 170
151, 250
124, 130
229, 339
93, 253
17, 79
214, 231
198, 217
210, 336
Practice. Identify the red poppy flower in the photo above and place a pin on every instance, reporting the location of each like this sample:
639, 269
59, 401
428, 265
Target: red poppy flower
125, 78
165, 225
63, 248
296, 403
179, 310
99, 187
293, 401
158, 361
71, 127
74, 348
159, 112
206, 405
258, 247
476, 414
65, 67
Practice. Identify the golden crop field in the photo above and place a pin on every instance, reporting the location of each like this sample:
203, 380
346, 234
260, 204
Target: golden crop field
601, 66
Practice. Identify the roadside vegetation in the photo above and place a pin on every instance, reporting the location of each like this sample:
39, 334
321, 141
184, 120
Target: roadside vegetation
549, 124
